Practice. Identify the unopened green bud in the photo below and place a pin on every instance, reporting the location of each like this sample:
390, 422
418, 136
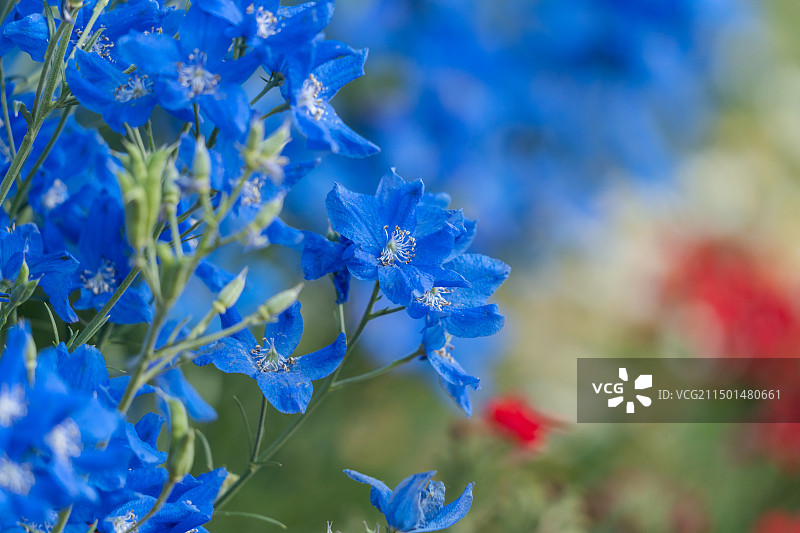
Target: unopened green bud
201, 166
254, 136
230, 293
22, 292
267, 213
171, 193
280, 302
137, 217
24, 272
181, 444
173, 271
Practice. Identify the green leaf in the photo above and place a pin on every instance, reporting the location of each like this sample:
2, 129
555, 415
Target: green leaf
206, 449
246, 422
254, 516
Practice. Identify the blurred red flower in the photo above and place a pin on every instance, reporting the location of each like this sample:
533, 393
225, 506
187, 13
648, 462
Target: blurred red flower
512, 417
777, 522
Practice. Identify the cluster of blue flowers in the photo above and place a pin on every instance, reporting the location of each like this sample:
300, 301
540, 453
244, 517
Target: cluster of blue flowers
103, 227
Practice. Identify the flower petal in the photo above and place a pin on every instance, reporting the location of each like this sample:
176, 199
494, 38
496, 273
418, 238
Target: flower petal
404, 510
451, 513
288, 392
322, 363
379, 494
286, 332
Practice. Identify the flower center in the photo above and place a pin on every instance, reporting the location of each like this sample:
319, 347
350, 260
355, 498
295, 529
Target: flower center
104, 280
123, 523
270, 360
309, 97
266, 21
65, 440
134, 88
434, 299
16, 478
12, 404
56, 195
251, 192
400, 246
195, 77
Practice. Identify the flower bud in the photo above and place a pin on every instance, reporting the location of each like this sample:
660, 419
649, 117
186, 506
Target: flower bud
230, 293
24, 272
137, 220
181, 444
201, 166
280, 302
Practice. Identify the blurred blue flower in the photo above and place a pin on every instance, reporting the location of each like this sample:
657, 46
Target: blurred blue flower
416, 505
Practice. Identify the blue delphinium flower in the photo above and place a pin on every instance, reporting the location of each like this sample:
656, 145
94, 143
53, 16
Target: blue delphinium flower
31, 34
193, 70
325, 255
103, 255
284, 379
462, 311
265, 23
50, 424
416, 505
53, 271
387, 243
313, 76
102, 87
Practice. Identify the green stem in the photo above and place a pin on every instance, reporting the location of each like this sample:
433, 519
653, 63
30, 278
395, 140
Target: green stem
148, 128
159, 503
387, 311
21, 194
260, 430
275, 110
196, 120
87, 30
87, 331
375, 373
61, 522
6, 116
16, 164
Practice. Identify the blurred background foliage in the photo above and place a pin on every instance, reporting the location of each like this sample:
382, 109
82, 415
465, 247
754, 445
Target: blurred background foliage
637, 163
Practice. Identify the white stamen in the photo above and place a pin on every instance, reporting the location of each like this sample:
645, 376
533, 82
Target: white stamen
12, 404
16, 478
433, 298
195, 77
270, 360
56, 195
104, 280
65, 440
309, 97
134, 88
266, 22
400, 246
123, 523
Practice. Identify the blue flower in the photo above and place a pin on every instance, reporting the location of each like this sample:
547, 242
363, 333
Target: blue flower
54, 271
103, 88
387, 243
462, 311
103, 255
30, 33
313, 76
416, 505
193, 70
265, 23
322, 256
452, 376
284, 379
50, 425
